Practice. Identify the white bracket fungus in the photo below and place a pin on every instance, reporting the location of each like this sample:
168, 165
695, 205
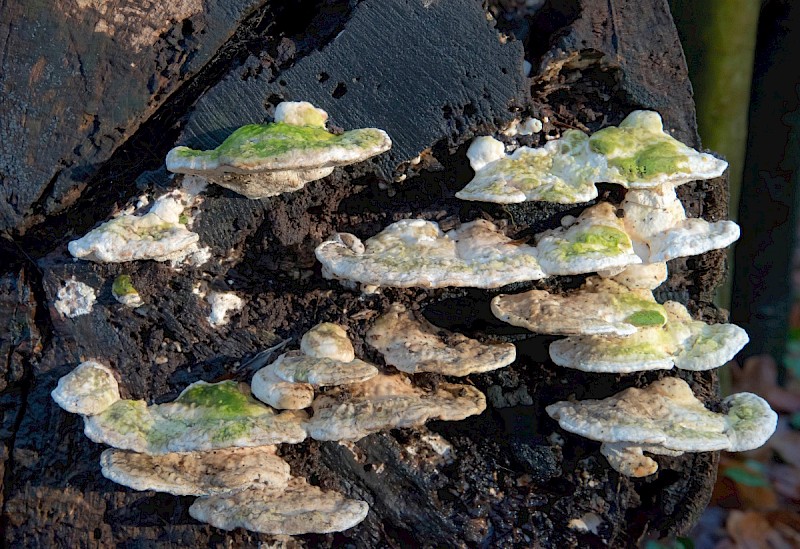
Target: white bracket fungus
160, 234
665, 418
298, 509
564, 171
197, 473
638, 154
326, 358
601, 306
123, 291
75, 298
416, 253
205, 416
89, 389
656, 221
351, 412
596, 241
415, 345
221, 304
682, 342
261, 160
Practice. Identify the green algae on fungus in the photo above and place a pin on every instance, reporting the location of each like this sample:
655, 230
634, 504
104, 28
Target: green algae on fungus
596, 241
123, 291
664, 418
563, 171
682, 342
600, 306
262, 160
205, 416
638, 154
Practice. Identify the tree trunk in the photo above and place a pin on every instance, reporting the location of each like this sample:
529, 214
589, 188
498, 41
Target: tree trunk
99, 91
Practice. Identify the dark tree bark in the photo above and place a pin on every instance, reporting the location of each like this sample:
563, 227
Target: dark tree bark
433, 74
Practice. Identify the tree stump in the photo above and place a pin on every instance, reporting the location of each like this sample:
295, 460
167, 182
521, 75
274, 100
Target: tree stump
97, 92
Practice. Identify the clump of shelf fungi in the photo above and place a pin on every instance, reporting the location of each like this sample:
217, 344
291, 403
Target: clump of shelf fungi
262, 160
216, 441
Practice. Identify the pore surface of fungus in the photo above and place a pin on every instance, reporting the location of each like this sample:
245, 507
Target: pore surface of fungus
298, 509
414, 252
197, 473
158, 234
75, 298
414, 345
87, 390
682, 342
665, 418
637, 154
205, 416
351, 412
601, 306
262, 160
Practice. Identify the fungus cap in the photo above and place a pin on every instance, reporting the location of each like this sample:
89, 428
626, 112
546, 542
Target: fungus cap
596, 241
328, 340
668, 415
87, 390
415, 345
682, 342
630, 460
416, 253
278, 393
296, 367
563, 171
205, 416
158, 235
601, 306
354, 411
124, 291
298, 509
261, 160
197, 473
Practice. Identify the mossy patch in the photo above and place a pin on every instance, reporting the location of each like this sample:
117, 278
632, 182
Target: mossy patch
640, 154
599, 240
123, 285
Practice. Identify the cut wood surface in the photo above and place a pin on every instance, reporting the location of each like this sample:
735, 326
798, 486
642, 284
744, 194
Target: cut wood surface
97, 92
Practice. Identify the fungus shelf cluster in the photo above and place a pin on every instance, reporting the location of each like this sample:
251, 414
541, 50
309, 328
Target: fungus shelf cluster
217, 441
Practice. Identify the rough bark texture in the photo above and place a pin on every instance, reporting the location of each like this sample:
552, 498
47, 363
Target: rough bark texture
433, 74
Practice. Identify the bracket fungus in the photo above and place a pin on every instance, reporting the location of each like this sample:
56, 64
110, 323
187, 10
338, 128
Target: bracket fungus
75, 298
351, 412
638, 154
298, 509
665, 418
262, 160
600, 306
160, 234
326, 358
682, 342
197, 473
596, 241
205, 416
124, 291
89, 389
414, 252
415, 345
